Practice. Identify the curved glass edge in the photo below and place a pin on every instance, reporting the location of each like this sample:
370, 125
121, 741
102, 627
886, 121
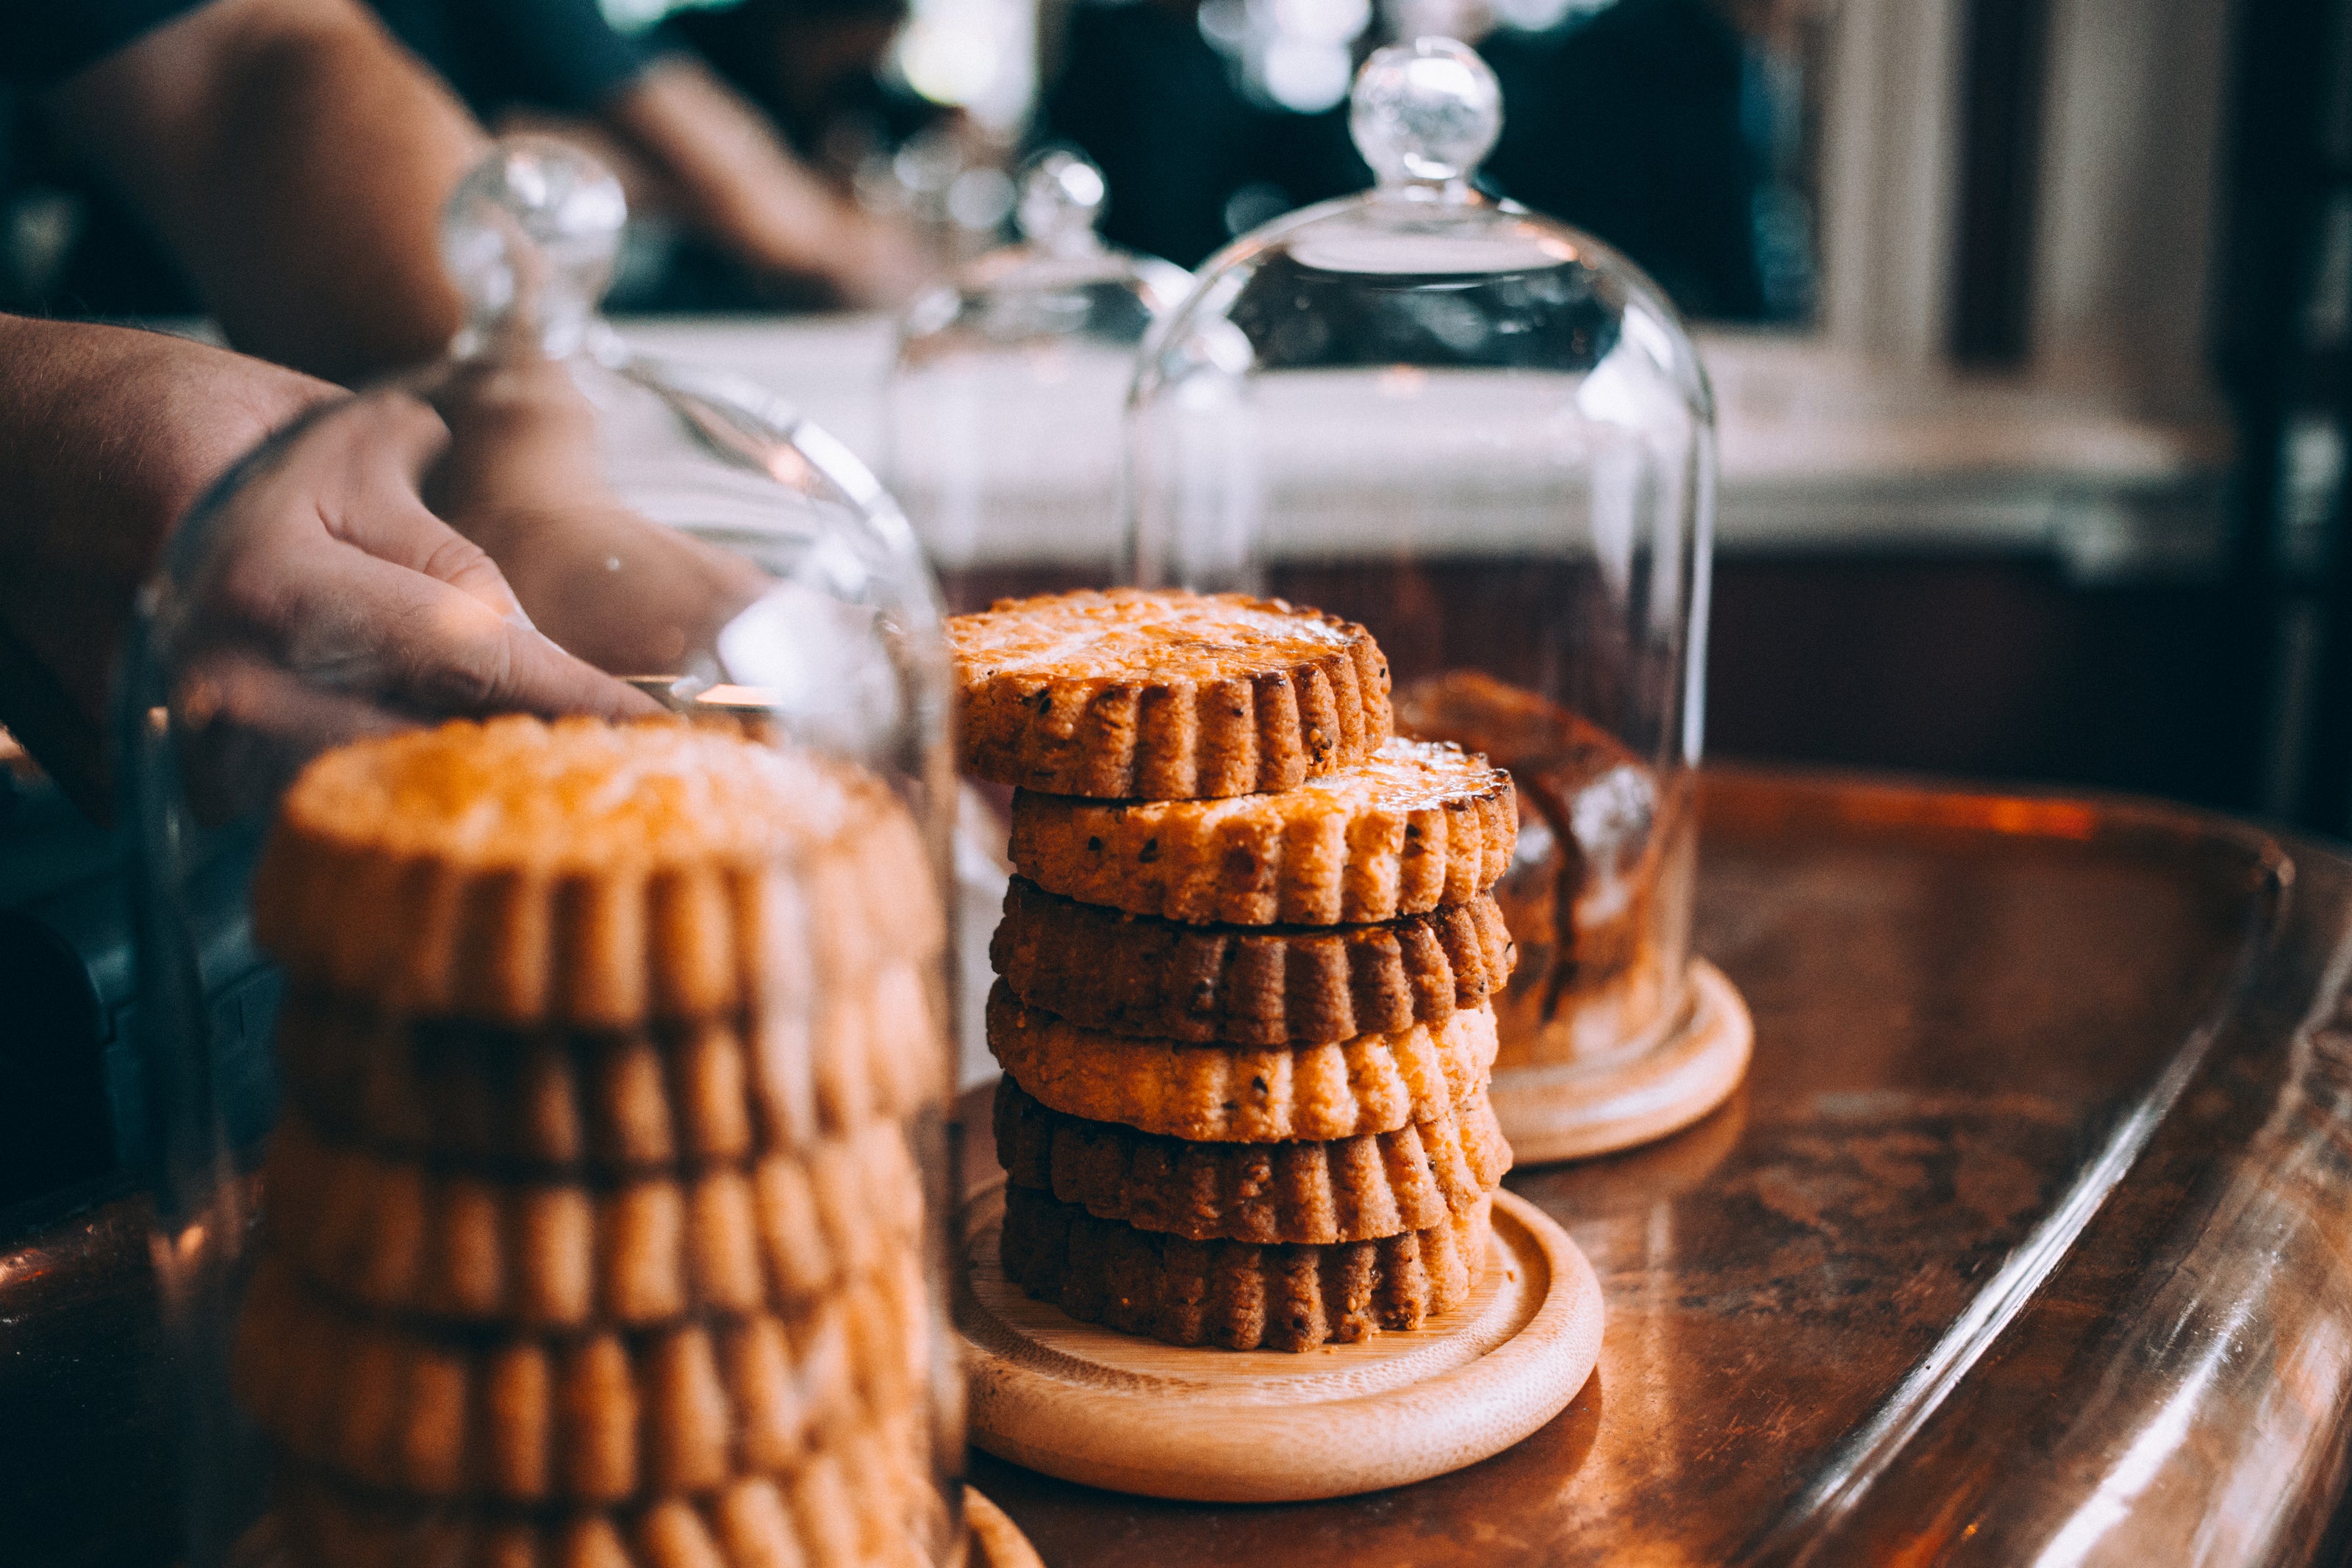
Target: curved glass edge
201, 1151
1488, 438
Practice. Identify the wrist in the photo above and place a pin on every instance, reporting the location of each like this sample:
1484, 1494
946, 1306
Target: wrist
108, 435
119, 431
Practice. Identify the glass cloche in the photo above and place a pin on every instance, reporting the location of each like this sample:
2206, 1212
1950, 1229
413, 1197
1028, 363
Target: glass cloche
1005, 430
1004, 407
578, 724
1488, 437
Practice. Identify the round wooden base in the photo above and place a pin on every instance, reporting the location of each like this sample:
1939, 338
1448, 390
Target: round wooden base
1576, 1109
996, 1541
1108, 1409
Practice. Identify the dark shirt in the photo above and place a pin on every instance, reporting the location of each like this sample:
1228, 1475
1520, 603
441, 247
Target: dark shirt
1626, 122
1182, 150
42, 42
559, 55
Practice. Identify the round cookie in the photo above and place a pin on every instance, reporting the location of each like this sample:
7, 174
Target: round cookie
420, 1240
557, 1102
1418, 825
1132, 974
864, 1497
1349, 1189
1245, 1095
1232, 1293
1161, 694
601, 1418
595, 874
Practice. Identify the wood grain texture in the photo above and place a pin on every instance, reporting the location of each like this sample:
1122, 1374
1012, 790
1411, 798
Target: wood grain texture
1573, 1112
996, 1541
1108, 1409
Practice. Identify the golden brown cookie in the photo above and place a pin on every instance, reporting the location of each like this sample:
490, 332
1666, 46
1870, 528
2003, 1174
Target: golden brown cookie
864, 1497
1418, 825
1162, 694
655, 1098
1132, 974
396, 1236
600, 1418
1245, 1095
1599, 894
1350, 1189
587, 873
1232, 1293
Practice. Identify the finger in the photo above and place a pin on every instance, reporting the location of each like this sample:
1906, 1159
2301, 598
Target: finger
405, 637
373, 499
247, 725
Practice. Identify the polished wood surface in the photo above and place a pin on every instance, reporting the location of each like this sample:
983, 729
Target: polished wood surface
996, 1541
2023, 1238
1852, 1312
1573, 1111
1089, 1403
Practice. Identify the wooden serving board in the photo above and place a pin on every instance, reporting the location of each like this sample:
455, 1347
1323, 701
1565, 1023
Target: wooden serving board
996, 1541
1091, 1405
1574, 1111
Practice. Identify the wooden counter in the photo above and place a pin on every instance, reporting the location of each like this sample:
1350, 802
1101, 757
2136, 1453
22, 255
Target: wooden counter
2025, 1240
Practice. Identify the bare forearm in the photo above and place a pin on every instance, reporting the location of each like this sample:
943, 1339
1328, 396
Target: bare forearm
723, 166
108, 434
297, 160
106, 438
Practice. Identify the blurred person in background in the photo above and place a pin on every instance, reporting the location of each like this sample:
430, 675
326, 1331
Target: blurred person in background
765, 229
1190, 155
816, 70
1628, 124
1632, 118
294, 161
701, 123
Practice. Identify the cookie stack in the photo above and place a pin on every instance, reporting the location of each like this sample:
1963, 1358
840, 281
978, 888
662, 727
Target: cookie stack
1243, 970
593, 1235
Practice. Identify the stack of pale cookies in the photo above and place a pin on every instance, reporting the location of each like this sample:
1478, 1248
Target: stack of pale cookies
1244, 970
592, 1233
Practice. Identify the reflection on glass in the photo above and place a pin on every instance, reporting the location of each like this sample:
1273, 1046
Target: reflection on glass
1486, 438
593, 716
1003, 406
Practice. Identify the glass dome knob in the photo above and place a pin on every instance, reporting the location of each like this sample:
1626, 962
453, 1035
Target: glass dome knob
1061, 198
529, 238
1425, 112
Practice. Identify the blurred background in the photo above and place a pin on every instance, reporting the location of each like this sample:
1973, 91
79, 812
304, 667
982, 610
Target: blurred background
2026, 318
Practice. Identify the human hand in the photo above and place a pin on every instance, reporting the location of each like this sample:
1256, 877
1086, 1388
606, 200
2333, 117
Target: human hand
321, 599
523, 478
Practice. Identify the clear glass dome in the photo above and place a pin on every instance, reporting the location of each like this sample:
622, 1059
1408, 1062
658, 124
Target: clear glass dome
586, 720
1004, 404
1005, 430
1488, 437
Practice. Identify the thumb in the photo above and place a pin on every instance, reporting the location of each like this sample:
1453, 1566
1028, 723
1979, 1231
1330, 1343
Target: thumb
380, 508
